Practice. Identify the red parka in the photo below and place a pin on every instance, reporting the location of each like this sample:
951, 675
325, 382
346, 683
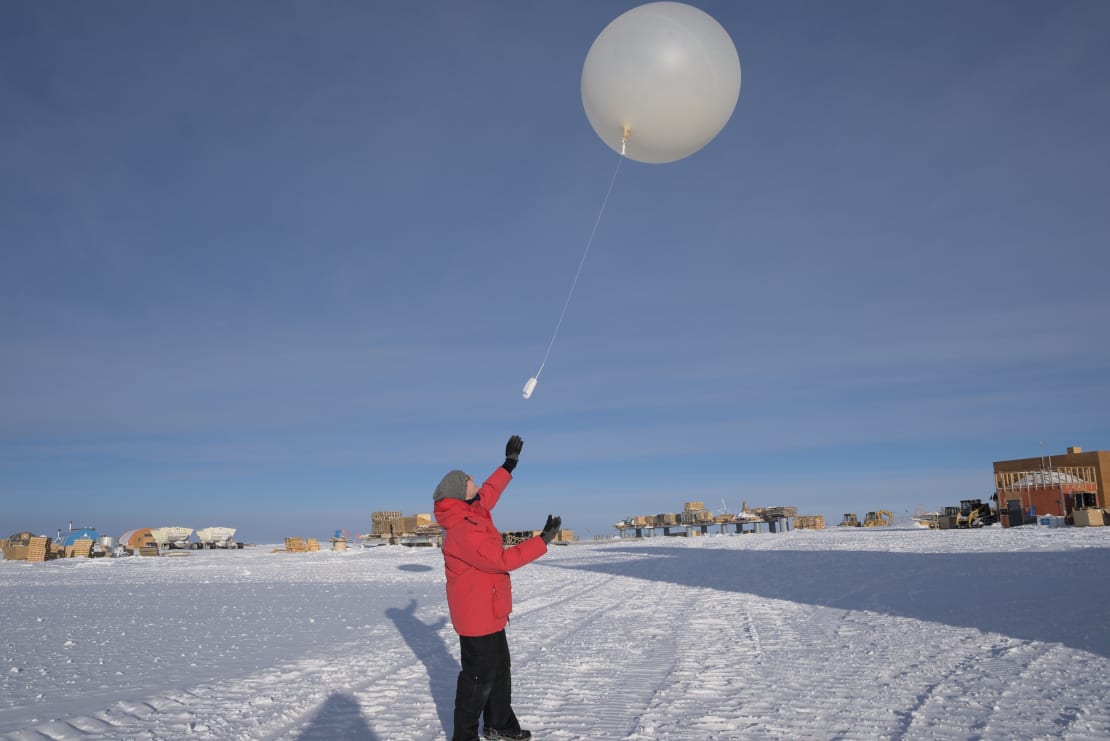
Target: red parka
479, 593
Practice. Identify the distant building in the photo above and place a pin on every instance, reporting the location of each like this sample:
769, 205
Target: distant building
1051, 485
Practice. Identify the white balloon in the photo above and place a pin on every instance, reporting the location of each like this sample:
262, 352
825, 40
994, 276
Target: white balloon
660, 82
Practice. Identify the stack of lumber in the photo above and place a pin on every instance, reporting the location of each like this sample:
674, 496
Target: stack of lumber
770, 513
312, 544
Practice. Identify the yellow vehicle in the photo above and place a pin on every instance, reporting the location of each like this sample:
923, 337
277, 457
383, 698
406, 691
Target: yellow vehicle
850, 520
974, 513
882, 518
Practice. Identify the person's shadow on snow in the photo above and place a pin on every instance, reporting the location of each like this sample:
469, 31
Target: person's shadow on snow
339, 717
428, 646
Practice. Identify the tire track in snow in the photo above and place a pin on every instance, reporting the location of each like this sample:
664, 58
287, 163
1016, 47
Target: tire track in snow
709, 681
593, 681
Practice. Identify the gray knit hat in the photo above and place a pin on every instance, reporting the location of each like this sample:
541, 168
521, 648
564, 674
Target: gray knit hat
453, 486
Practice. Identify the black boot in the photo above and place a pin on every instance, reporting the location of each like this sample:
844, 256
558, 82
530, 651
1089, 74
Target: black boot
491, 735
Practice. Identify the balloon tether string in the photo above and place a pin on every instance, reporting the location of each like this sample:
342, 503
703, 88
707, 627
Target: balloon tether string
585, 253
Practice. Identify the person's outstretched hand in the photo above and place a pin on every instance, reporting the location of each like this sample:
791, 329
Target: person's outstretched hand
512, 452
551, 529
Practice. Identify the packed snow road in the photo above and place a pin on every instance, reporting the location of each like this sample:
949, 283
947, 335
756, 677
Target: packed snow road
871, 634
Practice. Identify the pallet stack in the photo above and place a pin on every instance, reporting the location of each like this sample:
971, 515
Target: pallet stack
80, 549
809, 522
38, 548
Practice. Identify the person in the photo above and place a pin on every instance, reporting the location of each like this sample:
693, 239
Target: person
480, 597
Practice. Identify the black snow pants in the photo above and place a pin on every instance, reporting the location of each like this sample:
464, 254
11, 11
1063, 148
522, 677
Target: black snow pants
485, 686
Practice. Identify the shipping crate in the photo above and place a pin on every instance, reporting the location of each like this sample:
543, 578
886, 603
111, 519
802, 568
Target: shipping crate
1089, 517
312, 544
295, 545
809, 522
15, 547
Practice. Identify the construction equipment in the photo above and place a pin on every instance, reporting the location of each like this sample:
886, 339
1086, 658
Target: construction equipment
882, 518
948, 517
974, 513
850, 520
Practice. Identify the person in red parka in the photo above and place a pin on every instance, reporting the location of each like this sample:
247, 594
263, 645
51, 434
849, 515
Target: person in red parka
480, 595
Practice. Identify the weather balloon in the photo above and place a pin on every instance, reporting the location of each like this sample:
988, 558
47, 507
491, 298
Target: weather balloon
660, 82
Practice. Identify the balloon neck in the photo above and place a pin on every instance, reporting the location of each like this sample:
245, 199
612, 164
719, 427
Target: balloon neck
624, 139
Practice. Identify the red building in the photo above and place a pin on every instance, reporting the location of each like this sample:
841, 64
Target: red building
1054, 485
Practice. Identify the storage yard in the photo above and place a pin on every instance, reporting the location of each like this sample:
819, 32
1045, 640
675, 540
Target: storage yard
87, 542
695, 519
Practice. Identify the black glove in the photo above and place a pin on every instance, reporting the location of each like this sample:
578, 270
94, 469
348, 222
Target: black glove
512, 453
551, 529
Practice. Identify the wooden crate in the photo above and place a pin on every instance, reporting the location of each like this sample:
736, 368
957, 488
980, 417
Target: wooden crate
312, 544
295, 545
1088, 518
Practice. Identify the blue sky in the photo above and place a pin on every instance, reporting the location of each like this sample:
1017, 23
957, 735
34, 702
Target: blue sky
276, 265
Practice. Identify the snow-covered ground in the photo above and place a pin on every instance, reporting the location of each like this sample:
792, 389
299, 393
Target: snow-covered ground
878, 633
